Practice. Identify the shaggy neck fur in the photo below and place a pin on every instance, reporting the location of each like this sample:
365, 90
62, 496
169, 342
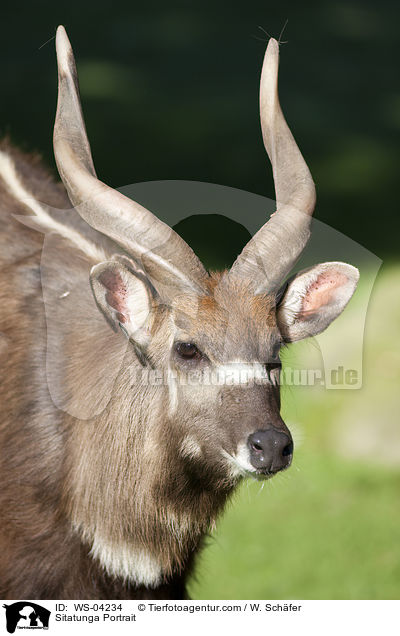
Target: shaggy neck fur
134, 495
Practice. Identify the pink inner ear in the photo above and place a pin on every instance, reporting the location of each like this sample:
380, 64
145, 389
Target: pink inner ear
116, 292
321, 292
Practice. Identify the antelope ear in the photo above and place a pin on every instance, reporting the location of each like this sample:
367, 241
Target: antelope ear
124, 296
314, 298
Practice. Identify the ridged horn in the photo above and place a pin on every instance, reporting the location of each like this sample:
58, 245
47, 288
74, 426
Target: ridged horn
269, 256
169, 261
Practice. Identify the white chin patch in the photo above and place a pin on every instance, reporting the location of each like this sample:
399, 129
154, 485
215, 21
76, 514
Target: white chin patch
240, 462
127, 562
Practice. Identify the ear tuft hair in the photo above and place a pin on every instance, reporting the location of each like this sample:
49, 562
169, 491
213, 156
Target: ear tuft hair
124, 296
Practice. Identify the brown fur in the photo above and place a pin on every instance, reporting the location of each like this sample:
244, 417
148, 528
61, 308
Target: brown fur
122, 469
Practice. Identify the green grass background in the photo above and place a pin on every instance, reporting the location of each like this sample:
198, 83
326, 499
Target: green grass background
329, 528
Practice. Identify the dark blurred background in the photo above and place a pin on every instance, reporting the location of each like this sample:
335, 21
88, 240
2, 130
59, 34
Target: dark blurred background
170, 91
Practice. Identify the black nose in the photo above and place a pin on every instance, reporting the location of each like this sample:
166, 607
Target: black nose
270, 450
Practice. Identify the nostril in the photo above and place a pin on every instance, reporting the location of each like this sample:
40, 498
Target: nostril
288, 450
270, 450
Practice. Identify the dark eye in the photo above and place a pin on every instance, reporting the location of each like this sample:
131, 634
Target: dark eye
188, 351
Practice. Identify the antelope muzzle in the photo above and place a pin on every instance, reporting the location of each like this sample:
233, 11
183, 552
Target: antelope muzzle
271, 450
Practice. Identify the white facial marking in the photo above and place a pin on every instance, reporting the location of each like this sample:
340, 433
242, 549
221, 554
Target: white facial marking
173, 391
131, 563
240, 462
17, 189
240, 373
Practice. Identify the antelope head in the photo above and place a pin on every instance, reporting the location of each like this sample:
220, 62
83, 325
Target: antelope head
222, 330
